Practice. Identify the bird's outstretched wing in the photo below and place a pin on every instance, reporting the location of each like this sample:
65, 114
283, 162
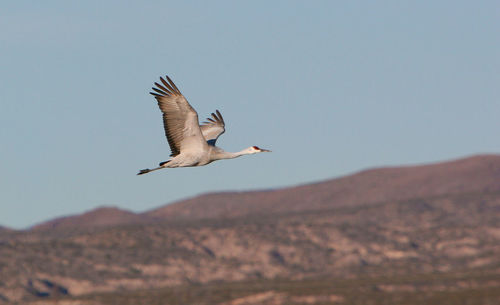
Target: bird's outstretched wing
180, 120
213, 128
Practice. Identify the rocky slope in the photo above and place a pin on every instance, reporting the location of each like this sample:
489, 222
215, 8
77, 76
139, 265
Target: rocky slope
104, 216
396, 233
473, 174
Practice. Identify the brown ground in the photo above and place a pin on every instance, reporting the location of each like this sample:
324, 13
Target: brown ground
412, 235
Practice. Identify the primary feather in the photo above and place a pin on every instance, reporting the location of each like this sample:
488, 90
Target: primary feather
180, 120
213, 128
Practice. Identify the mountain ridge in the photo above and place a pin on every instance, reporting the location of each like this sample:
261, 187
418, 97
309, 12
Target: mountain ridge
380, 184
434, 222
100, 216
469, 174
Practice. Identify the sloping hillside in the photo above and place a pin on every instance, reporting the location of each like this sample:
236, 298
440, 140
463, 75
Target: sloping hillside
411, 235
104, 216
474, 174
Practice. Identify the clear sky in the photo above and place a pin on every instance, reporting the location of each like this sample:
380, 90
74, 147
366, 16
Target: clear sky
331, 87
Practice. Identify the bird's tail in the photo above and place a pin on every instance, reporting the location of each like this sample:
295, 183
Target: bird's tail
147, 170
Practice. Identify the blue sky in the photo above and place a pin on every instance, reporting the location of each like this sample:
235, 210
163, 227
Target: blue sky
331, 87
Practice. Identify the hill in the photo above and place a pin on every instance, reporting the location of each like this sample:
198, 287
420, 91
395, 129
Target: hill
473, 174
405, 235
100, 217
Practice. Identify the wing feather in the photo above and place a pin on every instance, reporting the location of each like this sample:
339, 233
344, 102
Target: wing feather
213, 127
180, 120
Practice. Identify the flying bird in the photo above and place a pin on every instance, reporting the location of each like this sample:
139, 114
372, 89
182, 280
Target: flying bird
191, 144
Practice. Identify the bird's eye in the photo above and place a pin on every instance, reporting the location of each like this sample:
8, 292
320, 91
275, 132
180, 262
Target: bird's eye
255, 147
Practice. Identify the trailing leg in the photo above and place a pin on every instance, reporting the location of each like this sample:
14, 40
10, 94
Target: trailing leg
147, 170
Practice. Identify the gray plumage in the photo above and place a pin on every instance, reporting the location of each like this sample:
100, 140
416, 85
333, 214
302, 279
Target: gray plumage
191, 144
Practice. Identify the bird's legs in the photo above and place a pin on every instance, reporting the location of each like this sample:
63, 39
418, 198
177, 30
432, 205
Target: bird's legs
147, 170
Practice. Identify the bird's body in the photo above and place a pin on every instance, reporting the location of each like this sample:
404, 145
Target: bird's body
191, 144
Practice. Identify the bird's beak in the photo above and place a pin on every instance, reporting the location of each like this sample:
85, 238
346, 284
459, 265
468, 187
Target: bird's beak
265, 150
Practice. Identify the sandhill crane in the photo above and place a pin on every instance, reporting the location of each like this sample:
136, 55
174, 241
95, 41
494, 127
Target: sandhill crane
191, 144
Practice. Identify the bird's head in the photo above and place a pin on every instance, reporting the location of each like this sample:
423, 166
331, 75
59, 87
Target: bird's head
256, 149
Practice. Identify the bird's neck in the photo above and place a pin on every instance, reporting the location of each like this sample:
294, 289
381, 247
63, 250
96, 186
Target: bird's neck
231, 155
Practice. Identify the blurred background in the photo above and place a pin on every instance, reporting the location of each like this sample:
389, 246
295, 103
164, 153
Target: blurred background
407, 90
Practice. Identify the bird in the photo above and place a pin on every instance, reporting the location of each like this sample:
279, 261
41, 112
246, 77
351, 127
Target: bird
191, 144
